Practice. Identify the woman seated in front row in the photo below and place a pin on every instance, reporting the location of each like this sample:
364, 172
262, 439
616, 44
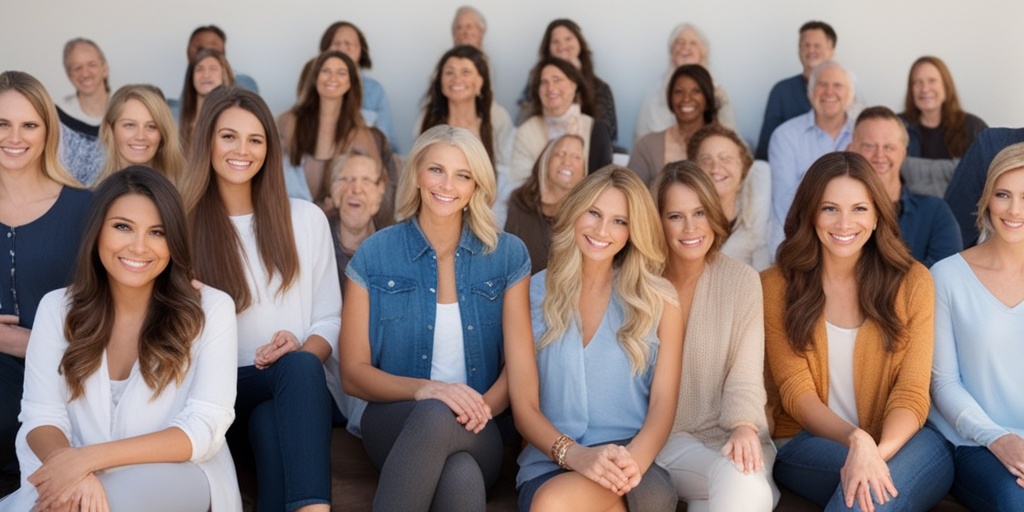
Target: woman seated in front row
849, 323
720, 454
130, 368
597, 395
977, 368
428, 303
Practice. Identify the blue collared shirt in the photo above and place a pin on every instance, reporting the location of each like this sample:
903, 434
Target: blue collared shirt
794, 146
398, 268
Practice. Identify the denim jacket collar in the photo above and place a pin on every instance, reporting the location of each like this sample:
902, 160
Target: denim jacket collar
417, 246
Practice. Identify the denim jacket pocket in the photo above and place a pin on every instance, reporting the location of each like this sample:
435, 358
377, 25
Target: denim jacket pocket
394, 295
488, 295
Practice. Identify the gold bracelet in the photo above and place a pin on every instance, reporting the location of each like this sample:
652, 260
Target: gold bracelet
562, 451
562, 439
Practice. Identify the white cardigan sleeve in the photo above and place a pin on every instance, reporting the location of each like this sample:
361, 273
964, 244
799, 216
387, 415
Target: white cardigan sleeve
325, 315
44, 402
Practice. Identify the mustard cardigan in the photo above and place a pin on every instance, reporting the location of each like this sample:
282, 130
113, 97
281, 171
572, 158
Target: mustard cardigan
883, 381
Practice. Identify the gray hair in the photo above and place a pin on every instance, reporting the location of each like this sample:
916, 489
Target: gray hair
683, 27
476, 14
812, 81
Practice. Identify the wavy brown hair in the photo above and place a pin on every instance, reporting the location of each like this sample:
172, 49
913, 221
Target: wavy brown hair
884, 260
364, 49
189, 95
954, 119
218, 248
306, 112
584, 91
586, 59
174, 317
436, 110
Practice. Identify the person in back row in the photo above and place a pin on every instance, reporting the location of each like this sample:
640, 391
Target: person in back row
211, 36
926, 224
788, 98
80, 113
469, 27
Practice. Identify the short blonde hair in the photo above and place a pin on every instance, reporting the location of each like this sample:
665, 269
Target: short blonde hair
169, 159
1011, 158
478, 214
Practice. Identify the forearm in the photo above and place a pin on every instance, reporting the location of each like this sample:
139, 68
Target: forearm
652, 436
362, 380
819, 420
899, 426
14, 340
45, 440
497, 396
318, 346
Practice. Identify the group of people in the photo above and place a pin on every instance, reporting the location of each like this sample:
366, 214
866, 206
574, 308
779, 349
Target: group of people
184, 315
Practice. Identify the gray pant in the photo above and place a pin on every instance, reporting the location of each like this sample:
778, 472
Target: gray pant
427, 460
163, 487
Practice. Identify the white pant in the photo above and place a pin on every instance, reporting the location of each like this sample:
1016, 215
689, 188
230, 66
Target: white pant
161, 487
708, 481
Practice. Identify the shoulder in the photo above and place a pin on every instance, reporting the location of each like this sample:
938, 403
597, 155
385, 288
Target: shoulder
511, 245
216, 304
948, 269
918, 281
773, 282
792, 127
731, 272
500, 116
370, 85
974, 123
306, 211
649, 142
54, 301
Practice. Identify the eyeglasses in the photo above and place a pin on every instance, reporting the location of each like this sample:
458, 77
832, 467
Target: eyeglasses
722, 160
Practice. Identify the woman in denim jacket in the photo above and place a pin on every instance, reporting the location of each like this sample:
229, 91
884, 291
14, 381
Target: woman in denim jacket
428, 304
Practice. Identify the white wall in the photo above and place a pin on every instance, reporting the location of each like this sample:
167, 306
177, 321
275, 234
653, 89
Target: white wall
753, 45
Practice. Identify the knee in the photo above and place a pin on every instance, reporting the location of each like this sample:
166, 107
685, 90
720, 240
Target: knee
462, 473
547, 498
301, 367
433, 415
745, 491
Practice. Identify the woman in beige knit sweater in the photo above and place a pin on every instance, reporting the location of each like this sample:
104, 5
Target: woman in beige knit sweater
719, 455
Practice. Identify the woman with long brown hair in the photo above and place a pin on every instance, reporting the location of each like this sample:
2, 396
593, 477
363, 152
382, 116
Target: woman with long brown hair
42, 214
206, 71
849, 319
130, 367
324, 123
939, 127
275, 258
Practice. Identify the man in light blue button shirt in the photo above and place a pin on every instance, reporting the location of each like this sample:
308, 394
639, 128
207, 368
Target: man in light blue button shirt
797, 143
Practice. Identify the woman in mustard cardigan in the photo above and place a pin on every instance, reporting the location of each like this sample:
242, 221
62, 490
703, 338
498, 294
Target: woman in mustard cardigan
849, 323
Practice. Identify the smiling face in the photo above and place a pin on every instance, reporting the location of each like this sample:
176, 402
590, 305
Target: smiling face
346, 41
928, 89
132, 245
136, 135
565, 165
720, 158
460, 80
564, 45
883, 143
1006, 207
687, 228
445, 182
467, 30
815, 48
22, 133
239, 148
86, 69
846, 218
557, 92
687, 49
332, 82
832, 93
357, 191
208, 75
688, 101
603, 229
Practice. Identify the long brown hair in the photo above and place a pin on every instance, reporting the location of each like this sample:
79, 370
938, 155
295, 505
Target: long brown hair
688, 174
306, 111
884, 260
189, 95
584, 91
436, 110
174, 317
586, 59
954, 119
218, 248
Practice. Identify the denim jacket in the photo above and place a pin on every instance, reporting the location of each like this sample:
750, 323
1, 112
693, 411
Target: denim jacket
398, 268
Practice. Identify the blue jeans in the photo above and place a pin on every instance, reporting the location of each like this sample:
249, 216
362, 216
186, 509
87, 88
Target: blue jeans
285, 412
922, 471
982, 483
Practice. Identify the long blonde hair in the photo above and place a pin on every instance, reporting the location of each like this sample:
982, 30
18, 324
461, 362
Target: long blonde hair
638, 265
33, 91
1010, 158
478, 214
169, 159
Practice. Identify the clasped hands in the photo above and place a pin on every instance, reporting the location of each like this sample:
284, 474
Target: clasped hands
280, 344
65, 482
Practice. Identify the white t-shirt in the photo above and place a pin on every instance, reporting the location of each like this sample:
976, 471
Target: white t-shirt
841, 397
448, 363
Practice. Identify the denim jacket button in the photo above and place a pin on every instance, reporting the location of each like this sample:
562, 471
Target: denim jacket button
469, 328
391, 284
424, 356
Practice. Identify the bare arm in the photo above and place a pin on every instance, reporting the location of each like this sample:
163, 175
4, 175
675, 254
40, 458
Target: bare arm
13, 337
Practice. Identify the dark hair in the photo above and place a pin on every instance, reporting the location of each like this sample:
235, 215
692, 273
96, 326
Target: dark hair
707, 88
218, 248
306, 111
884, 260
830, 33
688, 174
436, 110
954, 120
174, 317
584, 92
364, 49
209, 28
586, 61
882, 113
189, 96
716, 130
